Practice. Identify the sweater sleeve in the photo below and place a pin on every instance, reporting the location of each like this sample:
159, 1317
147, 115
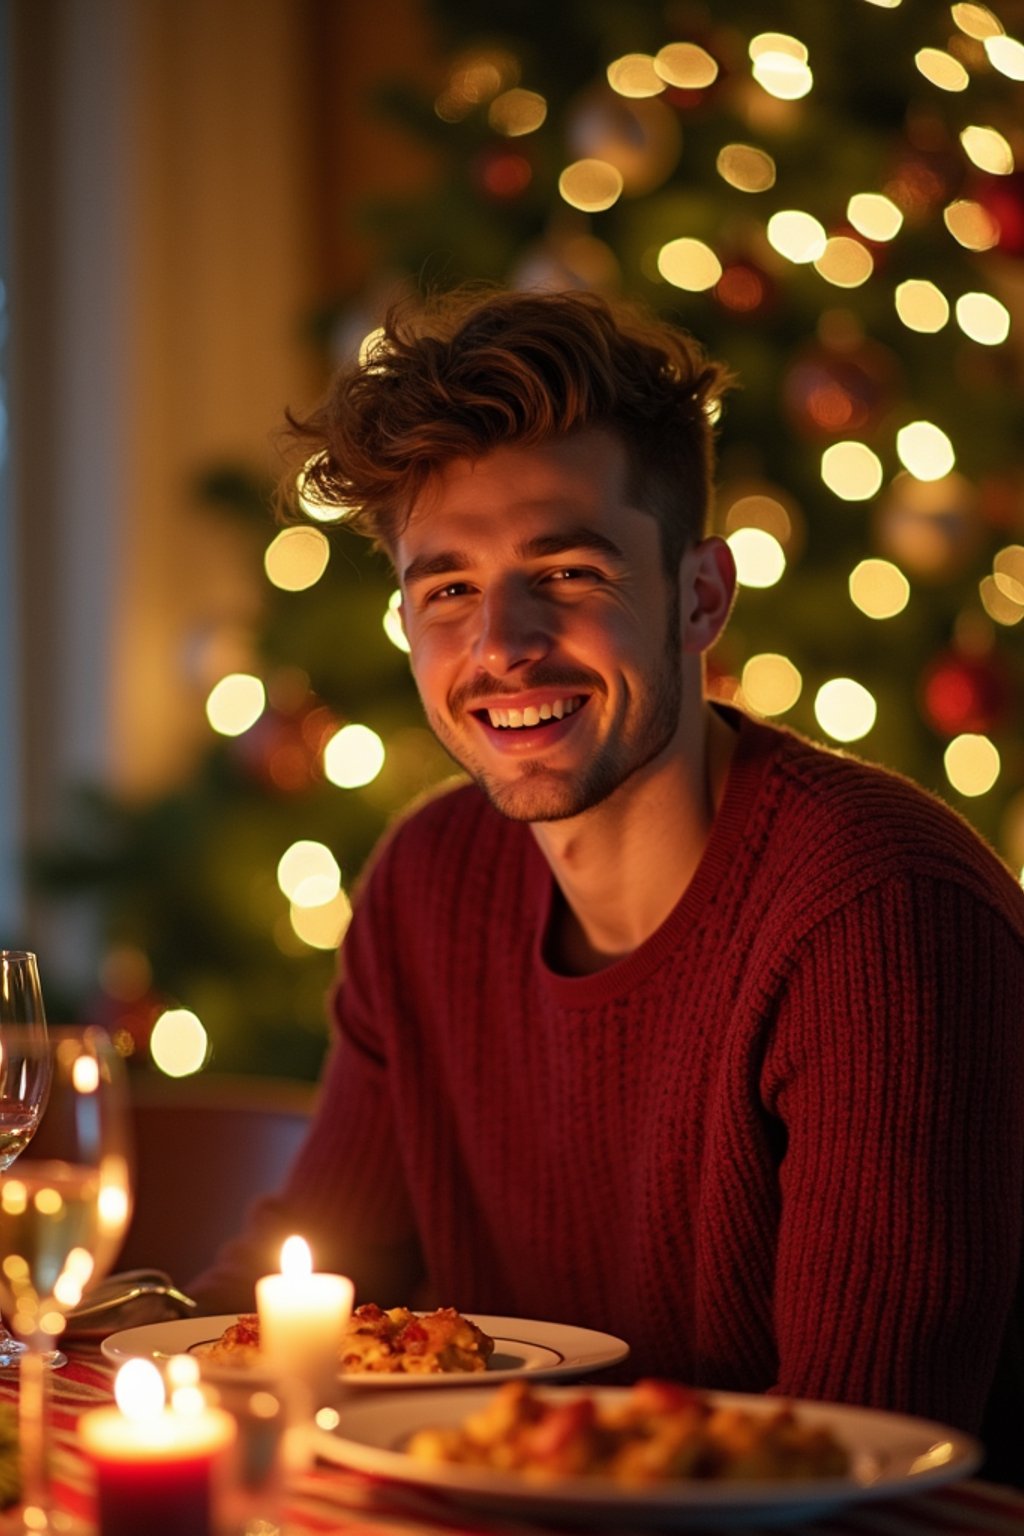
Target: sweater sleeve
345, 1192
897, 1070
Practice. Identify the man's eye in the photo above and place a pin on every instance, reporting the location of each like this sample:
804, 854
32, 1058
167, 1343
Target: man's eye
449, 590
572, 573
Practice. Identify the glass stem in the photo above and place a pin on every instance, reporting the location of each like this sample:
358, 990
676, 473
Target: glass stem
33, 1429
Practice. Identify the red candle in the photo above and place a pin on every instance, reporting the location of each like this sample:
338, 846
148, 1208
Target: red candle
157, 1469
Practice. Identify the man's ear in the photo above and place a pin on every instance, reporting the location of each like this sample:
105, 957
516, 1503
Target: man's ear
707, 579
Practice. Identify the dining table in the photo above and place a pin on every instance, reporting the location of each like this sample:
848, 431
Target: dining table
325, 1497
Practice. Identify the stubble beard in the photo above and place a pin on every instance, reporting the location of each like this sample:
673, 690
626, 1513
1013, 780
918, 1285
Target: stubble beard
540, 793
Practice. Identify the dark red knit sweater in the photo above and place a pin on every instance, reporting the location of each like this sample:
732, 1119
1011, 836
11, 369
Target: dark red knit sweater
781, 1145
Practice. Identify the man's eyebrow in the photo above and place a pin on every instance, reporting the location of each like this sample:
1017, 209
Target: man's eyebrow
442, 564
580, 537
446, 562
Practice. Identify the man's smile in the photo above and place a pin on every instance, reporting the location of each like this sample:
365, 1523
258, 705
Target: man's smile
511, 718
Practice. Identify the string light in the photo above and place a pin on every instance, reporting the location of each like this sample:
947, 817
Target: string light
746, 168
988, 150
760, 558
308, 874
296, 558
178, 1043
942, 69
921, 305
798, 236
635, 75
925, 450
322, 927
851, 470
689, 264
392, 622
235, 703
983, 318
590, 185
999, 605
1007, 55
353, 757
771, 683
879, 589
844, 262
976, 21
517, 112
971, 225
686, 66
844, 709
874, 216
972, 764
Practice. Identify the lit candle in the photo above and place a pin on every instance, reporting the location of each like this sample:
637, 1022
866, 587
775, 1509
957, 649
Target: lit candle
157, 1468
303, 1317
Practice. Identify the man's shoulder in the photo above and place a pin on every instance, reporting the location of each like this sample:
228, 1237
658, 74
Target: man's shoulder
844, 814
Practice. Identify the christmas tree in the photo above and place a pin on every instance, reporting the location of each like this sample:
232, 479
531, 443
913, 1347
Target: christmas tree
834, 207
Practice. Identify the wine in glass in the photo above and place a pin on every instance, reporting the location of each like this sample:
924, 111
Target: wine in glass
24, 1079
63, 1213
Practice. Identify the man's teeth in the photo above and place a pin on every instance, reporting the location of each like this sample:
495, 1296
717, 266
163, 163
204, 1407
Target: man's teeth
516, 719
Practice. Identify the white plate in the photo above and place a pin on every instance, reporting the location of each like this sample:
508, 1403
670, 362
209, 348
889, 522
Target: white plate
891, 1455
544, 1350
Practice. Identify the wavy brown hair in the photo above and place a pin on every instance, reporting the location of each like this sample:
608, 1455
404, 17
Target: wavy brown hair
468, 372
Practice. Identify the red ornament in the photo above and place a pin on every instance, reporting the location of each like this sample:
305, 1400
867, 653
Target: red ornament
833, 392
284, 749
503, 174
965, 693
1003, 198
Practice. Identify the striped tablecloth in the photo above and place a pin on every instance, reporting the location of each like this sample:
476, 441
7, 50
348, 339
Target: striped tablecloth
328, 1499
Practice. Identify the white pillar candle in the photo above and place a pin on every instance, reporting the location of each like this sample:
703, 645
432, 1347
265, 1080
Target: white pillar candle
303, 1316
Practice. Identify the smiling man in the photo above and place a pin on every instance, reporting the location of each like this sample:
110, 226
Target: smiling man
668, 1022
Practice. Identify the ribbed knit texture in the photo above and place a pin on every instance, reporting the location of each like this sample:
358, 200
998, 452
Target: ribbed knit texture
780, 1146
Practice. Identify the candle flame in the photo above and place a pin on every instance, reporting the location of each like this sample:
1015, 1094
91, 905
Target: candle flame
296, 1259
139, 1390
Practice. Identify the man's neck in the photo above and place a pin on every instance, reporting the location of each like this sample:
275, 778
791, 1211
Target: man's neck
622, 867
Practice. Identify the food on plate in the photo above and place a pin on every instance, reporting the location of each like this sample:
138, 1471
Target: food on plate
658, 1430
396, 1340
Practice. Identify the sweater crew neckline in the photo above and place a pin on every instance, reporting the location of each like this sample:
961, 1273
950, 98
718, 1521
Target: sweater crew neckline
755, 744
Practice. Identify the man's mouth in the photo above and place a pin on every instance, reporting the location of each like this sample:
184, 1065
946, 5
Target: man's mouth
532, 715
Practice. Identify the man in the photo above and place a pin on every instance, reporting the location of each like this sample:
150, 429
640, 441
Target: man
669, 1023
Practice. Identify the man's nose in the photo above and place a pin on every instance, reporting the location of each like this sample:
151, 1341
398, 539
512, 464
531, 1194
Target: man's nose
513, 630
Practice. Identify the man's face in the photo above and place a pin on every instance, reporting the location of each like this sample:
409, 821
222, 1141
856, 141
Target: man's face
544, 632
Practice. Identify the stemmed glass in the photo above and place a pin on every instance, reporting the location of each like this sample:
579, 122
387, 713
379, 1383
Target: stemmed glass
63, 1214
24, 1080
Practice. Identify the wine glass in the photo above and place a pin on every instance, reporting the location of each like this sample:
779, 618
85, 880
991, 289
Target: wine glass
63, 1214
24, 1081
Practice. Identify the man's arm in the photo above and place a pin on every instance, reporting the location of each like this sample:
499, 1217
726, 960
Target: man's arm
897, 1068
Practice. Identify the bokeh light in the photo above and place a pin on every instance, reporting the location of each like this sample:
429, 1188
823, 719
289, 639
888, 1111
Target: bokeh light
760, 558
999, 605
874, 216
308, 874
310, 503
988, 150
771, 683
779, 65
322, 927
746, 168
925, 450
1008, 572
635, 75
178, 1043
235, 703
845, 262
972, 764
689, 264
851, 470
296, 558
976, 21
353, 757
590, 185
879, 589
844, 709
517, 112
392, 622
921, 305
942, 69
1007, 55
983, 318
971, 225
686, 66
798, 236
